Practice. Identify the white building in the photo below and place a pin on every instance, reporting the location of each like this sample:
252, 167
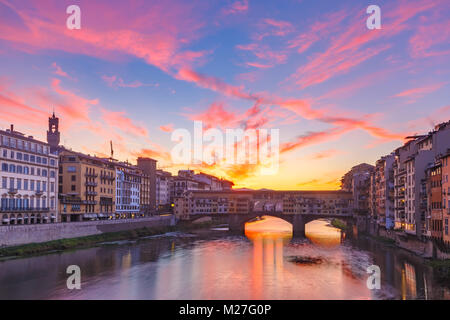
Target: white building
29, 185
128, 184
163, 186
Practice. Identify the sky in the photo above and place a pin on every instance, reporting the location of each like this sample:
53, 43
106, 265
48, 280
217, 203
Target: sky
339, 93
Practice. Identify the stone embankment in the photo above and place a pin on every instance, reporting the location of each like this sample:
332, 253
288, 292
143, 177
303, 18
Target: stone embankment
24, 234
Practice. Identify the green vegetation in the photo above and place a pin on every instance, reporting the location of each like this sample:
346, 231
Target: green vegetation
337, 223
441, 268
89, 241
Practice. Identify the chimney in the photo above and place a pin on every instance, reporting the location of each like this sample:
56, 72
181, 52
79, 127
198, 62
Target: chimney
12, 127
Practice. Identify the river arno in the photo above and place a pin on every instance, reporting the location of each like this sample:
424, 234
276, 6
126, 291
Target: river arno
216, 265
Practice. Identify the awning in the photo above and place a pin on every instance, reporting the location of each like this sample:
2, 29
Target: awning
53, 216
45, 218
5, 220
19, 218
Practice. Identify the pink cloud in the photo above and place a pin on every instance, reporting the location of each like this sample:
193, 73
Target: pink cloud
167, 127
119, 120
58, 71
350, 48
236, 7
417, 93
114, 82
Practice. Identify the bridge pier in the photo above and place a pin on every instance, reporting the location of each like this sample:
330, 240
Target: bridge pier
236, 224
298, 226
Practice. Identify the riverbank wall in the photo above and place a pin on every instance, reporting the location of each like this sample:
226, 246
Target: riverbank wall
14, 235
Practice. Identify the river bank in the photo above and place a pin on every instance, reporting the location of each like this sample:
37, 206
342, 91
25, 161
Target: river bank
441, 267
67, 244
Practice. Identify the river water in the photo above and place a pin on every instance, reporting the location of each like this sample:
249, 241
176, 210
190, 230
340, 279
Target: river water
216, 265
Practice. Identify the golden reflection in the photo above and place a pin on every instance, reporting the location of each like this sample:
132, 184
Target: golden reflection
410, 284
321, 233
268, 236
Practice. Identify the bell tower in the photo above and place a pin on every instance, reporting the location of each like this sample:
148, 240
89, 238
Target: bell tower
53, 134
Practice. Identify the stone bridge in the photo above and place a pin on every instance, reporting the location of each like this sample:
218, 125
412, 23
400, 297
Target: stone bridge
236, 221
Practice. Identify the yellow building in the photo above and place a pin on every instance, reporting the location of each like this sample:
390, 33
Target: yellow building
86, 187
208, 202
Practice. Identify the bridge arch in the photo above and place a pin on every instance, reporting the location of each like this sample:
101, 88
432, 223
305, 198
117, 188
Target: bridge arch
237, 222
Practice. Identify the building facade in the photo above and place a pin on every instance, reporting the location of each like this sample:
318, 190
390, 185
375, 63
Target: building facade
163, 187
384, 191
28, 187
445, 161
434, 200
86, 187
128, 186
148, 168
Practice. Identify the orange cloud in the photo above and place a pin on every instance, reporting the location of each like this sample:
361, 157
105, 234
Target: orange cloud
119, 120
167, 127
325, 154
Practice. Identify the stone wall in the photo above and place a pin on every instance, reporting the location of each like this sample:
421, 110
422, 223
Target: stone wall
409, 242
22, 234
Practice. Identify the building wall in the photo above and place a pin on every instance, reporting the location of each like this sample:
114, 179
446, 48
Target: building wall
434, 204
28, 185
128, 186
446, 198
148, 167
87, 188
17, 235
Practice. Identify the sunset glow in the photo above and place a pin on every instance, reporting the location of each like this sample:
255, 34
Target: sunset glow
340, 94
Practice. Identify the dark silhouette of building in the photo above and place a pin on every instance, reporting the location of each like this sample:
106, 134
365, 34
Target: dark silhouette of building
148, 166
53, 134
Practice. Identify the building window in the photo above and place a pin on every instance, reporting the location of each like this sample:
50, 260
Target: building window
5, 167
71, 169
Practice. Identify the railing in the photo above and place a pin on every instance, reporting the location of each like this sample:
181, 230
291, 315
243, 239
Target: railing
24, 209
12, 190
91, 184
93, 175
104, 176
90, 193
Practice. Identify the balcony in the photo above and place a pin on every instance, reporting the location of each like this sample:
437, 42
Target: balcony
12, 190
24, 210
90, 193
91, 175
90, 184
39, 192
90, 202
107, 177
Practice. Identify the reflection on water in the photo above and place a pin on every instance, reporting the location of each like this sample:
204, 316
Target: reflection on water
321, 233
219, 266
